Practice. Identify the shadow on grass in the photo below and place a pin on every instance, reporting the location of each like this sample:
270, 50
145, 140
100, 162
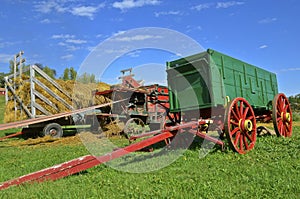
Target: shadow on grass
161, 149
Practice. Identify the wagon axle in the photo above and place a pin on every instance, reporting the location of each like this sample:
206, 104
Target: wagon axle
286, 117
245, 125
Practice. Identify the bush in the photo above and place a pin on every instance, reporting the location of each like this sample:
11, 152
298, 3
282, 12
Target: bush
296, 116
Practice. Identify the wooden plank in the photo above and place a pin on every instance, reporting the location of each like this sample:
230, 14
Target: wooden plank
52, 93
17, 98
46, 100
17, 73
32, 88
43, 74
36, 105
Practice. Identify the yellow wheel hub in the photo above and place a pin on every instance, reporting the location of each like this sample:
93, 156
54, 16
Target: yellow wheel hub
246, 125
286, 116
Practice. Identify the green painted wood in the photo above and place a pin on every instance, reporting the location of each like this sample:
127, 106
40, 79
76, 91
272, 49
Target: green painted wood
206, 79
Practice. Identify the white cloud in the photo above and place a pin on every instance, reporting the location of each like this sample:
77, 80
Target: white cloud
290, 69
91, 48
4, 58
127, 4
67, 57
49, 6
86, 11
62, 44
76, 41
68, 47
7, 44
267, 20
134, 53
120, 32
63, 36
157, 14
263, 46
202, 6
72, 48
69, 41
45, 21
116, 51
137, 38
67, 6
228, 4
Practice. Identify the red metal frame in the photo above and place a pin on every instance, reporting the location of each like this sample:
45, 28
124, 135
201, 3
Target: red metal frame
11, 135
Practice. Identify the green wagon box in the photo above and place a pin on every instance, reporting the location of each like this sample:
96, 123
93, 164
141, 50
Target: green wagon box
214, 78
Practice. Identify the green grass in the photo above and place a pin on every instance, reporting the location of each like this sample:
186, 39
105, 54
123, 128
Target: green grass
271, 170
2, 108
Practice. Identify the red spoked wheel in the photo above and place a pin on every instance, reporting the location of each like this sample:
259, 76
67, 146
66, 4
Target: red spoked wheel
240, 125
282, 116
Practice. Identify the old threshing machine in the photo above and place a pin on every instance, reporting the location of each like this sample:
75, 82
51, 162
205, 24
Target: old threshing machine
144, 108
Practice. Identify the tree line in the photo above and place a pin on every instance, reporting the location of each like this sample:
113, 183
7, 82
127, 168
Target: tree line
68, 74
295, 103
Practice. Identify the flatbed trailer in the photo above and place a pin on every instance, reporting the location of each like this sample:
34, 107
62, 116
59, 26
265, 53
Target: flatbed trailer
52, 123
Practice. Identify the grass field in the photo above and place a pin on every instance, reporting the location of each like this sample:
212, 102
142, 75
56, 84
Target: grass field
271, 170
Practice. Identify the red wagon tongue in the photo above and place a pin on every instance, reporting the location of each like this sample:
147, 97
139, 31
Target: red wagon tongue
82, 163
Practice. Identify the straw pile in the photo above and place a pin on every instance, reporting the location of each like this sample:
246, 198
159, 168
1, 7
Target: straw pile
81, 96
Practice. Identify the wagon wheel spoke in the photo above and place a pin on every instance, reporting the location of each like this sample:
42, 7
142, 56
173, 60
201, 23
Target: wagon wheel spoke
245, 112
237, 137
250, 117
234, 131
240, 125
237, 110
285, 108
246, 143
248, 136
235, 116
234, 123
241, 108
241, 143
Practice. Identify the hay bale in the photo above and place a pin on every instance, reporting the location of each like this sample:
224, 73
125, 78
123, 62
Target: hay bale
81, 96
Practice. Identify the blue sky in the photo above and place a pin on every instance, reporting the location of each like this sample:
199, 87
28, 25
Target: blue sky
63, 33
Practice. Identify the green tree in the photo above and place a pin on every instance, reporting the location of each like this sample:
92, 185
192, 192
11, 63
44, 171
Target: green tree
11, 66
50, 72
87, 78
73, 73
2, 83
66, 75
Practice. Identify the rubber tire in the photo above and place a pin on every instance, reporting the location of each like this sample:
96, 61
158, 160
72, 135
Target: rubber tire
53, 127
